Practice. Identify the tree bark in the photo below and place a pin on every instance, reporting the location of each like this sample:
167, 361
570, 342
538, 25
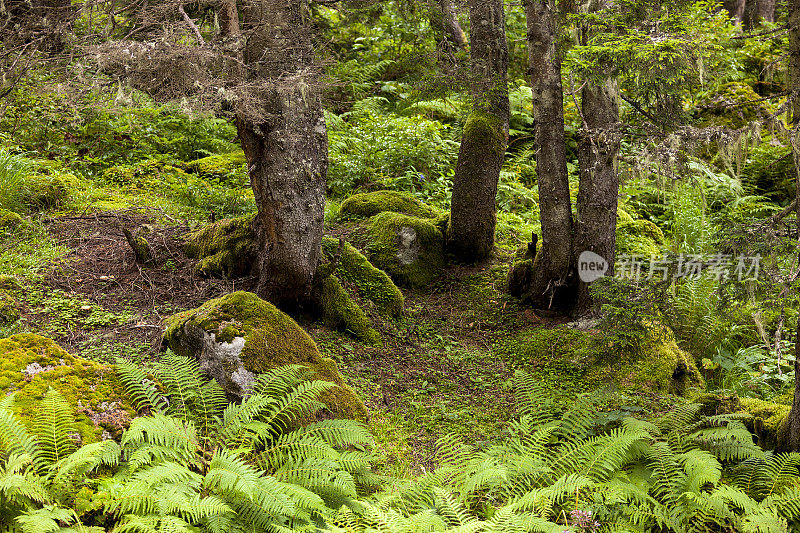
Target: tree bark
596, 224
485, 136
282, 129
550, 283
756, 11
789, 434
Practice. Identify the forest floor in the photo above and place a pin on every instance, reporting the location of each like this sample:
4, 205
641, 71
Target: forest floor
445, 367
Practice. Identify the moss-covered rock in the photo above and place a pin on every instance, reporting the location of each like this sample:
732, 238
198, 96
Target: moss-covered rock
765, 420
658, 365
230, 168
372, 283
225, 248
9, 309
30, 365
48, 192
240, 335
409, 249
716, 403
341, 312
371, 203
639, 237
10, 220
732, 104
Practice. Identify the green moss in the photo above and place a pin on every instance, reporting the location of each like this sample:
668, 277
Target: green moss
92, 388
409, 249
10, 285
272, 339
11, 220
639, 237
371, 203
48, 192
372, 283
341, 312
486, 127
230, 167
9, 309
658, 366
765, 419
732, 105
715, 403
226, 248
623, 216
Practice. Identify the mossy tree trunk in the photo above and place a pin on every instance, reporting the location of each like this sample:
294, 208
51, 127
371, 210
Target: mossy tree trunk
483, 143
552, 272
282, 129
789, 435
446, 28
596, 224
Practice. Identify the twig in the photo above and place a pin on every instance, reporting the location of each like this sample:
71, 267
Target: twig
761, 34
191, 24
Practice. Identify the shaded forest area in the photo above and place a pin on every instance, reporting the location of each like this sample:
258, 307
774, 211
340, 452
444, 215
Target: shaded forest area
402, 266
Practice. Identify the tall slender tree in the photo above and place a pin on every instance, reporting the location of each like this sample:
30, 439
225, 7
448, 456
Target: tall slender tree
485, 136
789, 435
552, 269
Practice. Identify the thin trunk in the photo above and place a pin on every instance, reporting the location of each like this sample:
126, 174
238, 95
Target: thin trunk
446, 28
553, 263
789, 435
282, 129
483, 143
596, 224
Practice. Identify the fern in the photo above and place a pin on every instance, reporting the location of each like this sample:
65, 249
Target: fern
54, 424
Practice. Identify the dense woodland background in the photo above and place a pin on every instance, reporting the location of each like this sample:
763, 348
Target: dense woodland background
285, 266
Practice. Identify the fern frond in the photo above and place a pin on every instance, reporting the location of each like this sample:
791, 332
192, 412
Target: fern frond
53, 425
14, 437
139, 387
160, 438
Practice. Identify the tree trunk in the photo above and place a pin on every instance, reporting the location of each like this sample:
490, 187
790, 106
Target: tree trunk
596, 224
282, 129
735, 8
789, 435
756, 11
550, 283
485, 136
446, 28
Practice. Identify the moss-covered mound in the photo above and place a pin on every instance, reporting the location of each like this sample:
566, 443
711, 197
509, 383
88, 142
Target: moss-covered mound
764, 419
48, 192
9, 309
409, 249
732, 105
341, 312
240, 335
10, 284
659, 365
372, 283
30, 364
148, 174
639, 238
9, 220
230, 167
371, 203
225, 248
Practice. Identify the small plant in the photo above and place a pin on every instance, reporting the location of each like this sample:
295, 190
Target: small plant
13, 170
